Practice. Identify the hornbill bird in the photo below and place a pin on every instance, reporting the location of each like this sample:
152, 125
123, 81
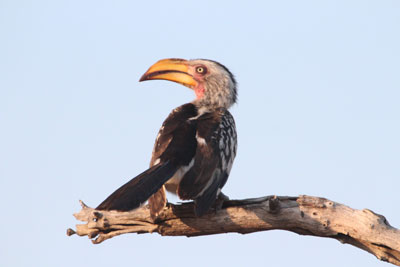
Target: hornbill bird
196, 145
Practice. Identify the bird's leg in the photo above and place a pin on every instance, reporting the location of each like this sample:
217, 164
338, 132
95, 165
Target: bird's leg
219, 202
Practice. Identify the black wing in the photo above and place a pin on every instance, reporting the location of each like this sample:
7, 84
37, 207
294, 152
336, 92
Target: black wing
175, 147
216, 150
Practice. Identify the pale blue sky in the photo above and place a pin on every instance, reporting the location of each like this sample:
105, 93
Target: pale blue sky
318, 114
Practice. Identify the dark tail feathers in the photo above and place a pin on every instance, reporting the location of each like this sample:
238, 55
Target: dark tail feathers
135, 192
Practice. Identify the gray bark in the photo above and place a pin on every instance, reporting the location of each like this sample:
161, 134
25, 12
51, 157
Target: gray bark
304, 215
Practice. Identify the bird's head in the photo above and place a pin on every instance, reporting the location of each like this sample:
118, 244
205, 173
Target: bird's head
213, 84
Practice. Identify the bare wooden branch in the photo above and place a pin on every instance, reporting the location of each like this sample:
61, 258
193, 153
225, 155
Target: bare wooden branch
304, 215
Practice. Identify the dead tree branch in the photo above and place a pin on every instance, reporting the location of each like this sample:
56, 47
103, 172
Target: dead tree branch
304, 215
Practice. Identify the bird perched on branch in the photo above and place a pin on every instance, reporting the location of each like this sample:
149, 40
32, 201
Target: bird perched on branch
196, 145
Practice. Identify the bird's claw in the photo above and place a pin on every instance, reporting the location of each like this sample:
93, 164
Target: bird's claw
219, 202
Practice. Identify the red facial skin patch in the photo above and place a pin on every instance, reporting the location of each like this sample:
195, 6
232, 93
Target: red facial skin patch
199, 91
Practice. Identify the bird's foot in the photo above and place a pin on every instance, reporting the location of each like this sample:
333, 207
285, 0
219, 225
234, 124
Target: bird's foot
219, 202
157, 216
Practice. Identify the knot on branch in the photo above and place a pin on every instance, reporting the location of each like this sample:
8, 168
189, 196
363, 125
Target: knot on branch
274, 205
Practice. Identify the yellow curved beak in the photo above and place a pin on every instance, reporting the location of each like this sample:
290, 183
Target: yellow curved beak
171, 69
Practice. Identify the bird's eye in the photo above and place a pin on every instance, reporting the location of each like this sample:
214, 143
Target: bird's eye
201, 70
